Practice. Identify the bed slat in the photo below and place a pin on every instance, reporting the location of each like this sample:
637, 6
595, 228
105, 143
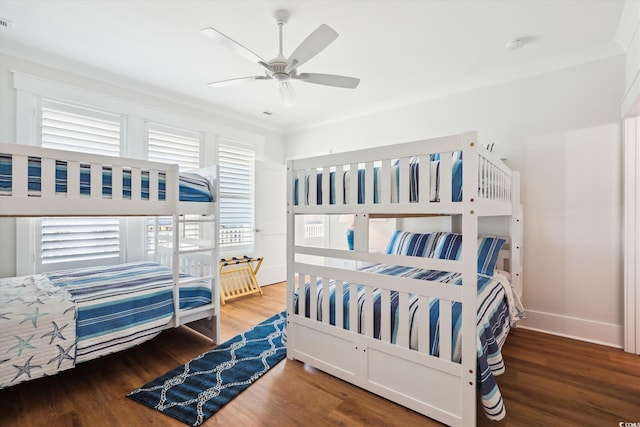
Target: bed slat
313, 297
367, 309
339, 304
424, 323
353, 184
385, 315
402, 337
48, 185
339, 185
116, 183
368, 186
325, 300
20, 173
353, 307
445, 330
404, 180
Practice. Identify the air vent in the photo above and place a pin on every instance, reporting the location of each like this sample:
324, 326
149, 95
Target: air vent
5, 23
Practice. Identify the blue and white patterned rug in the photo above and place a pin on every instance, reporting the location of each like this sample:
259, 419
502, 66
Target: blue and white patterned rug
196, 390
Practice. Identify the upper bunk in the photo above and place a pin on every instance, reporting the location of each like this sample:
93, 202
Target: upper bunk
462, 177
38, 182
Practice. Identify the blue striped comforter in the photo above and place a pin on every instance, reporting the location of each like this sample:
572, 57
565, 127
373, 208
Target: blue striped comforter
119, 306
493, 323
193, 187
49, 322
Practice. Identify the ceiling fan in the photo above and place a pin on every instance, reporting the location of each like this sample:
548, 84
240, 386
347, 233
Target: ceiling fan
285, 70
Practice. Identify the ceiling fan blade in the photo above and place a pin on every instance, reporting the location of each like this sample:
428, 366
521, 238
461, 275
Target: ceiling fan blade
231, 82
287, 94
217, 36
329, 80
311, 46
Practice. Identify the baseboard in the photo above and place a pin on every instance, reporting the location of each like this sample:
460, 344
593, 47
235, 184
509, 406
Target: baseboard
572, 327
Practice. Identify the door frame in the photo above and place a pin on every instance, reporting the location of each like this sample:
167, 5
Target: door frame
632, 235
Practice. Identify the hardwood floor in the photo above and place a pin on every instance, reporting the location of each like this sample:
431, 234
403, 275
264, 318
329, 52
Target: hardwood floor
549, 381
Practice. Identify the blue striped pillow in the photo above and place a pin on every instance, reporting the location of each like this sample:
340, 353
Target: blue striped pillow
449, 246
413, 244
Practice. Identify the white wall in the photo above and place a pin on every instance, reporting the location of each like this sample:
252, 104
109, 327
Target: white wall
561, 130
75, 75
631, 17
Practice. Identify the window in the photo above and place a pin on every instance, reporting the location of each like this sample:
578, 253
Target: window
173, 145
237, 165
70, 242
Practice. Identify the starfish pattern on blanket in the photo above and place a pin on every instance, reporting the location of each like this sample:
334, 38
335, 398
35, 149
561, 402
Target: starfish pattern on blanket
33, 316
62, 355
22, 344
25, 369
55, 333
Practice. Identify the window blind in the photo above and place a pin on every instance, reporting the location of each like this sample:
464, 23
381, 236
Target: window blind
237, 168
173, 145
70, 242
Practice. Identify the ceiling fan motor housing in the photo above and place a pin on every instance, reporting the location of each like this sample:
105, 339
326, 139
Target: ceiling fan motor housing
278, 67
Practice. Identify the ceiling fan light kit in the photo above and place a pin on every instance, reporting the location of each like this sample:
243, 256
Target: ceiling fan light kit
281, 69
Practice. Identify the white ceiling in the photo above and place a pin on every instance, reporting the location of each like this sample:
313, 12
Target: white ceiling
403, 51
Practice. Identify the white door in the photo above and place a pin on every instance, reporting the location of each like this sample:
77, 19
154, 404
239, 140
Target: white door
271, 221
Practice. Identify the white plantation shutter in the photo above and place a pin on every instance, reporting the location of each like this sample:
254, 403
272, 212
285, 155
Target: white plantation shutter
74, 242
237, 168
173, 145
80, 239
68, 127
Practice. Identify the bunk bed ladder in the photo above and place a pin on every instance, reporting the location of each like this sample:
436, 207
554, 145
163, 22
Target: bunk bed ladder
196, 257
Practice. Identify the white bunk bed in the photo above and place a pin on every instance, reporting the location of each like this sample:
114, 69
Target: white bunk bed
385, 353
132, 302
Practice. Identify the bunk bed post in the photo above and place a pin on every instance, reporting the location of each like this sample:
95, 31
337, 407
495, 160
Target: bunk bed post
516, 234
291, 238
361, 233
215, 292
173, 196
469, 279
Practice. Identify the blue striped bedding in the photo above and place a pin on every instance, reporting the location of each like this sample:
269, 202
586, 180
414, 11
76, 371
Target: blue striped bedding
121, 305
493, 322
49, 322
414, 171
193, 188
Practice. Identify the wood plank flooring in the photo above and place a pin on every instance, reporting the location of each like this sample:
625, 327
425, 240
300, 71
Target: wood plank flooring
549, 381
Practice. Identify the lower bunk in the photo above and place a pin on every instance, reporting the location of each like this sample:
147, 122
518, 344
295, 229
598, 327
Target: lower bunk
396, 330
52, 321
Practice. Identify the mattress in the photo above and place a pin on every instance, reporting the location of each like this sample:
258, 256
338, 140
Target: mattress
493, 322
192, 187
68, 317
414, 171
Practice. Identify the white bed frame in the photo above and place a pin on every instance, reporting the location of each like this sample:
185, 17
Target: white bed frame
434, 386
195, 257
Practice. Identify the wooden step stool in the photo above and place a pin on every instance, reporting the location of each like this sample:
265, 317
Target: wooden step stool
238, 277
